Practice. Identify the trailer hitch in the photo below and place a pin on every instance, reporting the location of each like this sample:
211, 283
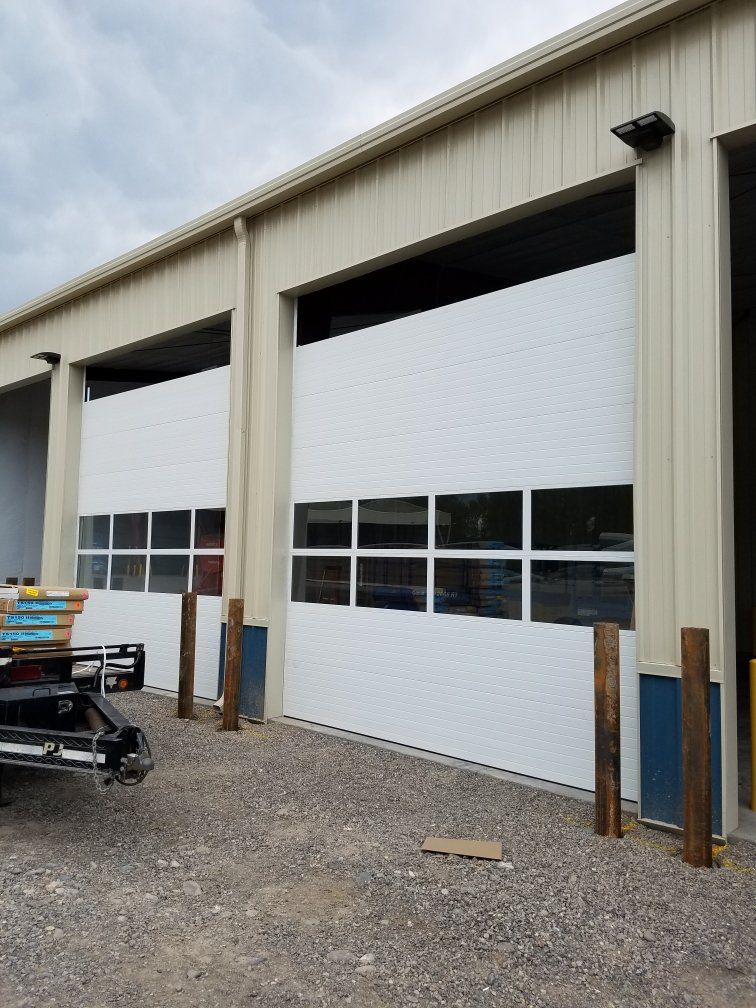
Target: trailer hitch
136, 765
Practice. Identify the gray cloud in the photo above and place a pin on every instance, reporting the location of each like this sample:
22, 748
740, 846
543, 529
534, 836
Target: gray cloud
122, 119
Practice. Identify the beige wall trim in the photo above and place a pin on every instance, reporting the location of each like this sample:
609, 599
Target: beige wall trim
672, 671
736, 136
599, 35
62, 488
239, 407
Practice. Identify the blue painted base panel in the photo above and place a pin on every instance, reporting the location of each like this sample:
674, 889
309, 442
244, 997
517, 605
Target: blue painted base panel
661, 751
254, 652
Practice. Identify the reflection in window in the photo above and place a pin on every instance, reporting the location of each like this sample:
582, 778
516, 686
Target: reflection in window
392, 583
479, 520
394, 523
207, 575
209, 528
320, 579
582, 593
92, 571
171, 530
477, 587
127, 573
130, 531
94, 532
323, 525
169, 573
583, 518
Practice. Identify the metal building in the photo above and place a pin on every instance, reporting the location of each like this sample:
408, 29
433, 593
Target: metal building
432, 404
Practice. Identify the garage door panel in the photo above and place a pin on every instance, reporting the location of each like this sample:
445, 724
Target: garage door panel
502, 693
155, 621
159, 448
524, 388
544, 312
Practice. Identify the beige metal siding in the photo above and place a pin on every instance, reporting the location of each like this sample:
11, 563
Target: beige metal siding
194, 284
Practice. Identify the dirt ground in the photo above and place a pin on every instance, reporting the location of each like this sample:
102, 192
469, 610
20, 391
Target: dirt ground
280, 865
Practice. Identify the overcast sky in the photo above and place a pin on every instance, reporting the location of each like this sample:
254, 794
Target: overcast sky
121, 119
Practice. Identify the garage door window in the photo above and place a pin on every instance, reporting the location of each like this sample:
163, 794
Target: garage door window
324, 524
392, 583
171, 530
320, 579
470, 586
130, 531
583, 518
393, 523
185, 551
479, 521
581, 594
128, 572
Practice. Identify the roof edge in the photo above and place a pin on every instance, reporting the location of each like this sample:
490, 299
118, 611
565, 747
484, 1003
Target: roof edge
603, 32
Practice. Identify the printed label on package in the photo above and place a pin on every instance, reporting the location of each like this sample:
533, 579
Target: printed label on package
22, 619
23, 636
31, 606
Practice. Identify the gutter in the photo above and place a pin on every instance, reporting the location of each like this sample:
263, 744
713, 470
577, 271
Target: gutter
602, 33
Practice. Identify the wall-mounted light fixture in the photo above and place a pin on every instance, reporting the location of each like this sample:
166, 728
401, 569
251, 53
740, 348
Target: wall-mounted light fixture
48, 356
646, 132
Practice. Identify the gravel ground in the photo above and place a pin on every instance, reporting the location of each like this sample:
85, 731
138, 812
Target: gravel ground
279, 865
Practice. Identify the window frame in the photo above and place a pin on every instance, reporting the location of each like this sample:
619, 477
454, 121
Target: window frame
430, 552
191, 551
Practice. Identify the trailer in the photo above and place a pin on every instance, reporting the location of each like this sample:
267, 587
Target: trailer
55, 715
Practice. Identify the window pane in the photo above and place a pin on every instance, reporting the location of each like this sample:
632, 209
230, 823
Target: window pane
93, 571
169, 573
323, 524
587, 518
94, 532
479, 521
130, 531
209, 528
392, 583
207, 576
472, 587
394, 523
127, 573
582, 593
171, 530
320, 579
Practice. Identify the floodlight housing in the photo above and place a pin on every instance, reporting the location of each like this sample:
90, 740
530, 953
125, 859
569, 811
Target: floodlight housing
646, 132
48, 356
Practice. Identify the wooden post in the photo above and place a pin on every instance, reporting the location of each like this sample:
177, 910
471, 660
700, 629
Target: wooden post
606, 686
696, 747
232, 677
186, 655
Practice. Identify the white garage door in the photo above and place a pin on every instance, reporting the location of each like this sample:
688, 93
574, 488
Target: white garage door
152, 497
461, 515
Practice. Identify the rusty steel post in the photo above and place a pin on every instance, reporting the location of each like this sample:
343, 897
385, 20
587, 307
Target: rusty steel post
696, 747
606, 687
232, 677
186, 655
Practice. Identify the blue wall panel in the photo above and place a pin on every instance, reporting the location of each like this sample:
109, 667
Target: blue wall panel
254, 653
661, 751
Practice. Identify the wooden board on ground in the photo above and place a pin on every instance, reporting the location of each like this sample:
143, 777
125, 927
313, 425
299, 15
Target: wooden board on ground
488, 849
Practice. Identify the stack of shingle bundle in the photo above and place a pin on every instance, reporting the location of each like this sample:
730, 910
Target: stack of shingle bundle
32, 616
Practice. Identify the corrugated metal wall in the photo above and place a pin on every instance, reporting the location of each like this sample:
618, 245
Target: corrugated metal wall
194, 284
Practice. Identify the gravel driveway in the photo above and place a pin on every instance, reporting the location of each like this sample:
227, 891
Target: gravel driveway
279, 865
